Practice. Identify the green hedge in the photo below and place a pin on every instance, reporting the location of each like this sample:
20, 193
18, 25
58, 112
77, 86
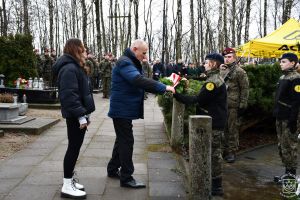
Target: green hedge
17, 58
262, 80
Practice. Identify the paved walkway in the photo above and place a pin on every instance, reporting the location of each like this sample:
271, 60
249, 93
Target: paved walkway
35, 173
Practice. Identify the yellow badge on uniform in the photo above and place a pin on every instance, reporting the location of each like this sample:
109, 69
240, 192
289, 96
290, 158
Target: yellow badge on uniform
297, 88
210, 86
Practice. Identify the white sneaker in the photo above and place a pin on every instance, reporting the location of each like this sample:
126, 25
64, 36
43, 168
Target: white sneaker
298, 188
69, 190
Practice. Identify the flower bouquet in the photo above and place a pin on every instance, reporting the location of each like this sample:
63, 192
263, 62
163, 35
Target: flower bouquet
176, 81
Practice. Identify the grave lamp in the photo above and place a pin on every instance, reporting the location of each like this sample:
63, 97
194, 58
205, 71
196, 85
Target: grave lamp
2, 77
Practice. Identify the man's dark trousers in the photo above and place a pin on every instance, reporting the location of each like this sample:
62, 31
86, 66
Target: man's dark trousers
123, 149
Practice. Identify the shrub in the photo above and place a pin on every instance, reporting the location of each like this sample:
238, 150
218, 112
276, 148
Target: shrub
17, 58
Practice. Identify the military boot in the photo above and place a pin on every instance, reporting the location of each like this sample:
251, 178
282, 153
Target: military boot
217, 189
291, 171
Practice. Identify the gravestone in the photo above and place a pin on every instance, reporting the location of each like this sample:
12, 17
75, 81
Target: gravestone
9, 112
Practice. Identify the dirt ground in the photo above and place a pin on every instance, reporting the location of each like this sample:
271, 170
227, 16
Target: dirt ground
12, 142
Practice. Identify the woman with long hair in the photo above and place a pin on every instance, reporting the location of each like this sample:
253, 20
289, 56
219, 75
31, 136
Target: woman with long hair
77, 103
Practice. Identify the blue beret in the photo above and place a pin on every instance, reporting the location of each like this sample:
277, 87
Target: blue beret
215, 56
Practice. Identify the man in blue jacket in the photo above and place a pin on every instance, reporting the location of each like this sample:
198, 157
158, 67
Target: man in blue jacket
126, 104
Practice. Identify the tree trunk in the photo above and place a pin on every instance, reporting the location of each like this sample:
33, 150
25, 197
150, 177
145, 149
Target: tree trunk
136, 18
225, 32
84, 23
99, 48
5, 20
265, 16
128, 40
233, 28
287, 7
179, 31
103, 27
275, 13
163, 50
193, 42
51, 8
73, 11
221, 35
247, 21
240, 21
116, 29
26, 17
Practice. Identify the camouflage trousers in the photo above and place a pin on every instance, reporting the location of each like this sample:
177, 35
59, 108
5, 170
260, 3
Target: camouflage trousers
287, 144
106, 86
231, 134
216, 153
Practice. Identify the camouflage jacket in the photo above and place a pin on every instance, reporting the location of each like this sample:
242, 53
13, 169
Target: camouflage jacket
237, 84
105, 69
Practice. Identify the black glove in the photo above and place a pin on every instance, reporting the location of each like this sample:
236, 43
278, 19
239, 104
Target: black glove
241, 111
292, 124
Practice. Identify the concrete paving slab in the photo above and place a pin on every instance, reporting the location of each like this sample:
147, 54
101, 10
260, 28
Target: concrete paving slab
157, 175
168, 189
36, 126
40, 178
14, 172
23, 192
6, 185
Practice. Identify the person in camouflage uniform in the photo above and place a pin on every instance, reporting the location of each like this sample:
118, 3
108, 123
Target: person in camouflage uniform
212, 101
105, 70
147, 72
47, 63
94, 70
286, 111
237, 84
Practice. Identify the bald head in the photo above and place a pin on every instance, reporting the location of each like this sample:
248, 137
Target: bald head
139, 48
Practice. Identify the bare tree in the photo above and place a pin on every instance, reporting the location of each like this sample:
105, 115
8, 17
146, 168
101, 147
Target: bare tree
97, 11
26, 17
136, 17
239, 22
275, 13
220, 23
225, 30
193, 42
287, 7
247, 20
179, 31
116, 28
265, 16
51, 8
4, 20
200, 30
233, 18
103, 27
84, 23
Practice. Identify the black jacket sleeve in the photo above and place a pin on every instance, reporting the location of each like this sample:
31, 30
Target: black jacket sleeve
204, 97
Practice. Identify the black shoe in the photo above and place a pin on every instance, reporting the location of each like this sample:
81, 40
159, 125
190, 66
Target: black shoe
277, 179
217, 189
114, 175
230, 158
133, 184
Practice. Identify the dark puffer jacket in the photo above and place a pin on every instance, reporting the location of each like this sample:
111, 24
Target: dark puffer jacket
127, 89
74, 88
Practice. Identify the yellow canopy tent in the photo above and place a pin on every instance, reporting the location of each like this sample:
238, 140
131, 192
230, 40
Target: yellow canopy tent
285, 39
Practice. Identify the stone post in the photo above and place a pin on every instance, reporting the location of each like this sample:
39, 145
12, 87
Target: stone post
200, 156
177, 123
